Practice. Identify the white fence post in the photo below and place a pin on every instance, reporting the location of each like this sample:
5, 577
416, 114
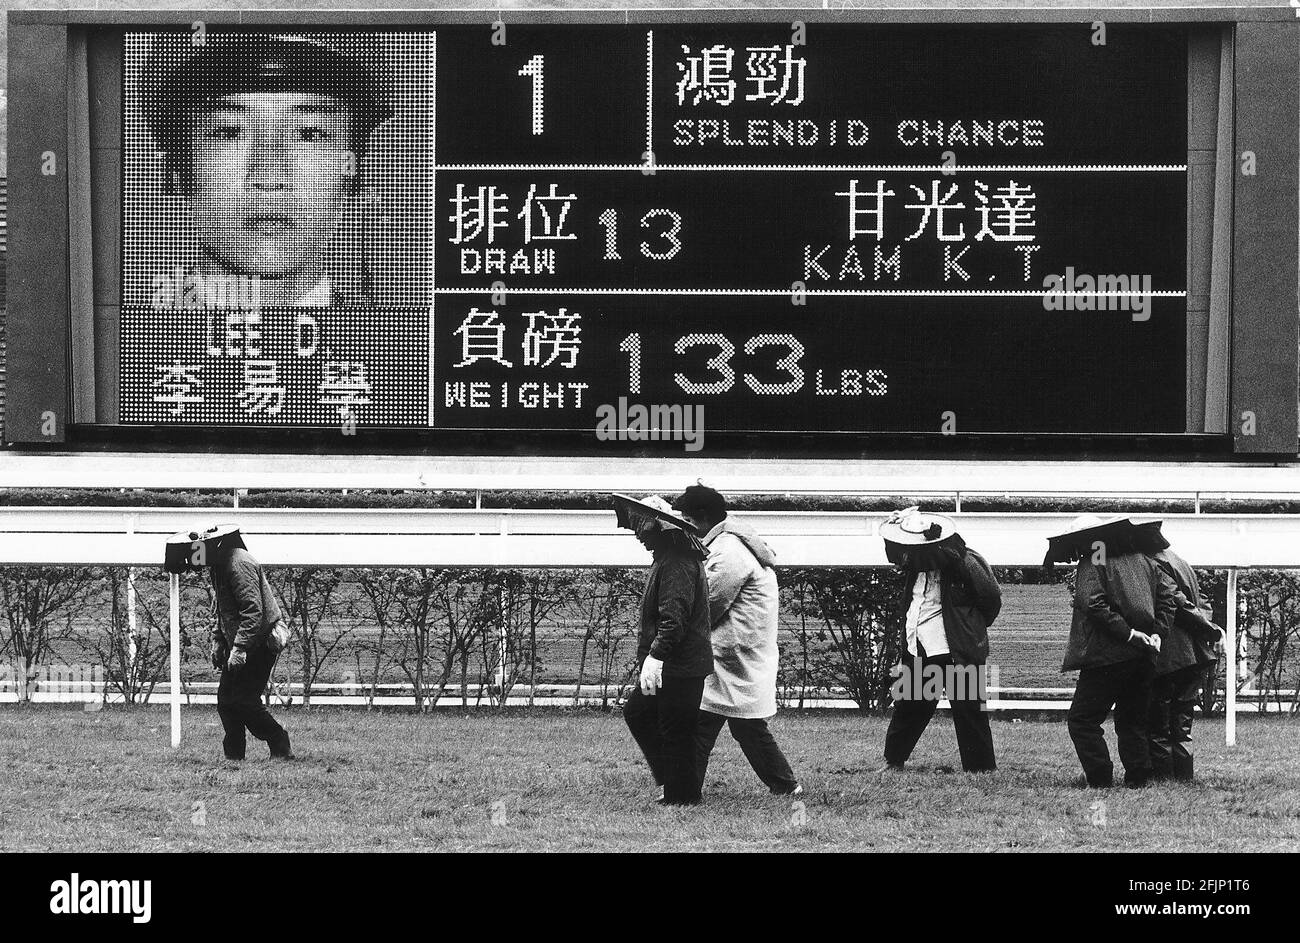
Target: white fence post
502, 647
176, 658
131, 649
1230, 662
130, 605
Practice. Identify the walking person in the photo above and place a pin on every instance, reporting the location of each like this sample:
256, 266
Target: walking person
1187, 657
1123, 609
673, 648
744, 615
949, 600
246, 638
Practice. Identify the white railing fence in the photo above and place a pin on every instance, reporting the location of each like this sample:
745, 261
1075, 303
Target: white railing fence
549, 538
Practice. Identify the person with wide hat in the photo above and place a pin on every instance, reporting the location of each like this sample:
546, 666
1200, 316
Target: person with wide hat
744, 617
247, 636
950, 597
192, 551
1187, 655
673, 650
1123, 608
263, 137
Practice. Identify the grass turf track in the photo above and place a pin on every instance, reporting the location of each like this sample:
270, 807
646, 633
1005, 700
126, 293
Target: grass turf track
551, 780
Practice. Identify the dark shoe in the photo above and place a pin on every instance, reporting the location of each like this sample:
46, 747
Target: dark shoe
234, 759
679, 799
795, 790
1184, 768
1139, 781
280, 749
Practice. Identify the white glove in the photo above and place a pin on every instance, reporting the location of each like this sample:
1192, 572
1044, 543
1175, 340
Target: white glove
1150, 641
652, 675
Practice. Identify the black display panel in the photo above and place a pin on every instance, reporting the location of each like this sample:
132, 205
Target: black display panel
857, 229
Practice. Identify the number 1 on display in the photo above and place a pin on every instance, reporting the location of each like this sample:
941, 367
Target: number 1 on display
534, 69
631, 346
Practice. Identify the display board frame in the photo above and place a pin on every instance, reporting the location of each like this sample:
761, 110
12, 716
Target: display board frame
1262, 326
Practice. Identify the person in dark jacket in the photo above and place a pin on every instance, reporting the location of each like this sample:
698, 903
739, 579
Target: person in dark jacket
1187, 655
950, 598
673, 648
247, 614
1123, 608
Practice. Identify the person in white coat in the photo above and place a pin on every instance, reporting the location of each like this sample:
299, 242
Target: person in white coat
744, 609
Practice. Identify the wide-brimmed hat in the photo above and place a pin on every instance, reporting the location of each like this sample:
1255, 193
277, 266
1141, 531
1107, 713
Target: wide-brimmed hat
632, 511
912, 527
914, 537
183, 548
1087, 530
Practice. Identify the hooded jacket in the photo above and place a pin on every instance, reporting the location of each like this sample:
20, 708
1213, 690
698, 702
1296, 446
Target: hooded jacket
744, 615
970, 599
1192, 639
1129, 591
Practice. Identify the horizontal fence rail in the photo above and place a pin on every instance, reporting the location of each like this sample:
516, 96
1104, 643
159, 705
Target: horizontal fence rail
532, 538
941, 478
334, 694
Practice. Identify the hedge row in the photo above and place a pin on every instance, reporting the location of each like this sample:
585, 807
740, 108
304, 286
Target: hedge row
437, 633
578, 500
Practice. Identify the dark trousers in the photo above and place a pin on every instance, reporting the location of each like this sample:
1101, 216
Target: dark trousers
756, 742
663, 725
913, 713
240, 707
1169, 722
1127, 688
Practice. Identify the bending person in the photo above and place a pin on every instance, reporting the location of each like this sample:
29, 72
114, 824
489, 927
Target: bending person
672, 648
1123, 608
248, 635
1187, 656
950, 598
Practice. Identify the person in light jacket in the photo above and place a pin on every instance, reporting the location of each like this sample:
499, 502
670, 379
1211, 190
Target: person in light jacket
1188, 654
744, 612
672, 647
